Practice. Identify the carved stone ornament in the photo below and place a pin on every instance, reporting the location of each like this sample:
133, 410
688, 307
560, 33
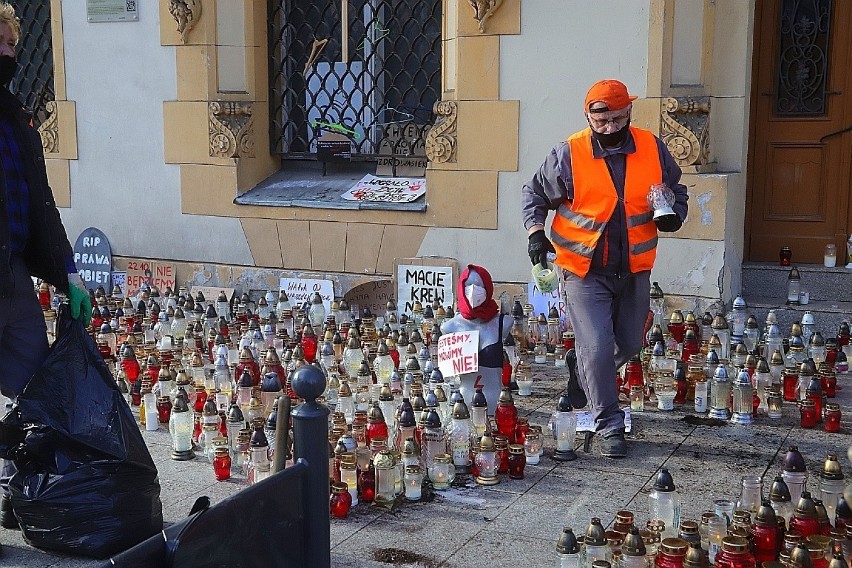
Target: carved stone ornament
685, 128
483, 10
230, 127
49, 129
186, 13
441, 139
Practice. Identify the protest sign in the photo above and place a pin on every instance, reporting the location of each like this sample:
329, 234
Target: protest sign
159, 275
93, 259
300, 290
424, 280
458, 353
386, 189
373, 295
542, 302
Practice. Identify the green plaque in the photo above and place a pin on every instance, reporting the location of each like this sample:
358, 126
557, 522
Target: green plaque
112, 10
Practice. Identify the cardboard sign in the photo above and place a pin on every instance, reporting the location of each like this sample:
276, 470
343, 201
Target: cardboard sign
159, 275
120, 279
458, 353
373, 295
211, 293
301, 290
542, 302
386, 189
93, 259
424, 280
402, 150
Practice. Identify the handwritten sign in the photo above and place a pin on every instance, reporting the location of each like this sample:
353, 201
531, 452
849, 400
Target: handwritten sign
458, 353
93, 258
542, 302
402, 150
386, 189
301, 290
120, 279
159, 275
424, 283
373, 295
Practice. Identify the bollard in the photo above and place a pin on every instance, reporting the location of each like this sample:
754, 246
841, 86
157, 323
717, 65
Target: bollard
310, 442
282, 434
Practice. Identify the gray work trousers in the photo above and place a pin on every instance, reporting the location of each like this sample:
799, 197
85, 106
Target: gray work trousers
23, 344
608, 315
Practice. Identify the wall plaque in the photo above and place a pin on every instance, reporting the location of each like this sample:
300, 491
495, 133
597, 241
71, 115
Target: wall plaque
112, 11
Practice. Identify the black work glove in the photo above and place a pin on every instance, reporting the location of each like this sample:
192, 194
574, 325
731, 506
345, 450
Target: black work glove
538, 248
669, 223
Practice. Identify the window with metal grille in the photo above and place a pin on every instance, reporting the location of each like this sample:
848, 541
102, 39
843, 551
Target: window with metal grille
33, 83
374, 79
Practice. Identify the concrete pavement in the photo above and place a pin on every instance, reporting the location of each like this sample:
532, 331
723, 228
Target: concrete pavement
519, 521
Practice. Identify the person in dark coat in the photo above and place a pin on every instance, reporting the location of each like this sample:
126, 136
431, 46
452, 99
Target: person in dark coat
33, 243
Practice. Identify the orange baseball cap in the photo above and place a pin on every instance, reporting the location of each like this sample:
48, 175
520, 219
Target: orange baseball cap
611, 92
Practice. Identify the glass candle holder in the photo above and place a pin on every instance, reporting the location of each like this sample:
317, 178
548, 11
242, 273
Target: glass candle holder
785, 255
517, 461
442, 472
808, 414
637, 398
413, 483
222, 464
830, 256
832, 417
340, 501
532, 447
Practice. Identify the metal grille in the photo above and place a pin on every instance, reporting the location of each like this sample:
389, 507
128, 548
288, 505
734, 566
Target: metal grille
33, 82
803, 57
385, 79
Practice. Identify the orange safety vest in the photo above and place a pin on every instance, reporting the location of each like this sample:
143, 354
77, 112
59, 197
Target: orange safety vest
578, 224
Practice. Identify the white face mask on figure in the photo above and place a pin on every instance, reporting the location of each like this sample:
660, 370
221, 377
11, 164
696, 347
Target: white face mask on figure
476, 295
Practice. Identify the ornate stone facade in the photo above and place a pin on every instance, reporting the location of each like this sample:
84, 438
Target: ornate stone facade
49, 129
685, 128
484, 9
231, 129
441, 139
186, 13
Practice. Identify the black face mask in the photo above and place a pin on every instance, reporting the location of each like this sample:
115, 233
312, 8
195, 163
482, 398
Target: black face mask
613, 139
8, 68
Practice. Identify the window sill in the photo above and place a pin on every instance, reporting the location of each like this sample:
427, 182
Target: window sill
301, 184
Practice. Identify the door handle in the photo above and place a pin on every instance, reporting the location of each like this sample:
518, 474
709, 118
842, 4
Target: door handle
835, 133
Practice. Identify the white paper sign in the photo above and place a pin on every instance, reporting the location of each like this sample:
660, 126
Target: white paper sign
386, 189
120, 279
300, 290
458, 353
542, 302
585, 422
423, 284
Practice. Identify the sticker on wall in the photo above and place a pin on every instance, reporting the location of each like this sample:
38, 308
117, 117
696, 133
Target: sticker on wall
112, 11
386, 189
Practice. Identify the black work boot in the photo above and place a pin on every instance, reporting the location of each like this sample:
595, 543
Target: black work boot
7, 515
574, 391
613, 445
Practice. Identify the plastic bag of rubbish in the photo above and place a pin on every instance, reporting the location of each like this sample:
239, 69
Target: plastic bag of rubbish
86, 483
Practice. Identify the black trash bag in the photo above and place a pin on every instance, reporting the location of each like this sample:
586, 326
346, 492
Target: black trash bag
86, 483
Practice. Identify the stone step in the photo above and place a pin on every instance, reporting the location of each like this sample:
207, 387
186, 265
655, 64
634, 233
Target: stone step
764, 281
828, 315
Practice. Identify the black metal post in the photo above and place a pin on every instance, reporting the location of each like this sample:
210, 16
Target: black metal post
282, 434
310, 442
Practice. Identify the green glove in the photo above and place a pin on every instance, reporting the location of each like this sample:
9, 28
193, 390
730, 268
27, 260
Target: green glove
78, 300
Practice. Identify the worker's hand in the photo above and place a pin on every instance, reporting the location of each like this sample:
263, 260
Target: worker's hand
669, 223
78, 300
538, 248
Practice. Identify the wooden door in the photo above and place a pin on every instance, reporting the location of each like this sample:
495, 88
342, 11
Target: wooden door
799, 154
